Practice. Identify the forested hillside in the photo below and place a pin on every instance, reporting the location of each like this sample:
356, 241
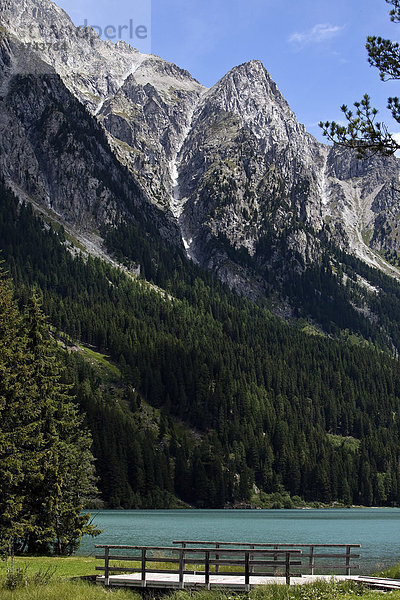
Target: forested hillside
217, 396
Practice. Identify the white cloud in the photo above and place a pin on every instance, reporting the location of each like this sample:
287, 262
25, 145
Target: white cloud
396, 137
319, 33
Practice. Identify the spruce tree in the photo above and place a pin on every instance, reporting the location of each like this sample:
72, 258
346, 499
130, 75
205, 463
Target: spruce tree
19, 420
46, 466
67, 478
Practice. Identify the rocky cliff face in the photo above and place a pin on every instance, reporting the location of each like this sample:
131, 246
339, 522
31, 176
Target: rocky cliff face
250, 175
248, 168
90, 68
231, 167
147, 120
53, 153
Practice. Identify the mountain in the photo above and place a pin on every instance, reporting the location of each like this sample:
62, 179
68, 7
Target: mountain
167, 226
231, 164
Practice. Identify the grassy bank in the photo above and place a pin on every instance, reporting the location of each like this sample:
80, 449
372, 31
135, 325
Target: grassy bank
78, 590
65, 590
63, 566
61, 587
391, 572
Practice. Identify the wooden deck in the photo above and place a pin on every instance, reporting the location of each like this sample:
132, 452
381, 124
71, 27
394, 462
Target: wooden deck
160, 581
379, 583
237, 566
232, 582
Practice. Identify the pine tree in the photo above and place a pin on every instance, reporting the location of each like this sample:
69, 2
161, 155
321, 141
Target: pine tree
46, 467
19, 420
67, 479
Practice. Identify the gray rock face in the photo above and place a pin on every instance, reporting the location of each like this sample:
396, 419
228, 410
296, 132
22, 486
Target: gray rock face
251, 175
231, 166
147, 122
247, 167
53, 153
90, 68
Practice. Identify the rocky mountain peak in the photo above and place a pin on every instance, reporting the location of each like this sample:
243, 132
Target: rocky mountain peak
251, 85
230, 164
93, 69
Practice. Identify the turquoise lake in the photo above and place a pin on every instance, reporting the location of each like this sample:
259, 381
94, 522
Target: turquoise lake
376, 529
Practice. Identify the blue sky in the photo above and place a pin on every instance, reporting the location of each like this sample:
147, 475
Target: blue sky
314, 50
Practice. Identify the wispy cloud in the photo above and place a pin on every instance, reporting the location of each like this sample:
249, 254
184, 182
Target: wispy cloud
319, 33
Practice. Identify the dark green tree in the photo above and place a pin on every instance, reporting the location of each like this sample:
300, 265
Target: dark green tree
46, 466
363, 132
19, 420
67, 476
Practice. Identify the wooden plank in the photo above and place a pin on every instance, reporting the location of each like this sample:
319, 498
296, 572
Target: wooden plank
233, 551
144, 550
207, 570
287, 571
139, 570
247, 571
334, 566
265, 544
138, 558
251, 558
182, 557
333, 555
330, 555
311, 562
215, 582
239, 562
273, 563
106, 568
379, 580
123, 557
380, 584
348, 569
385, 579
159, 559
121, 569
275, 559
125, 547
181, 568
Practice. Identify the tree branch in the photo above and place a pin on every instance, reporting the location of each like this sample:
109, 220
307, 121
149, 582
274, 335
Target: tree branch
363, 133
395, 12
385, 56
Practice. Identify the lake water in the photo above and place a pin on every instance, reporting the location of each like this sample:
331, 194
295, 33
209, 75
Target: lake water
376, 529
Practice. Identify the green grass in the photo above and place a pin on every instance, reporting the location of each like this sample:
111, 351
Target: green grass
101, 360
66, 566
317, 591
60, 588
367, 236
77, 590
391, 573
52, 219
66, 590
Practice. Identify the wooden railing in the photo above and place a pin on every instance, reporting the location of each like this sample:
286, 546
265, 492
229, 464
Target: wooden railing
203, 561
339, 555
